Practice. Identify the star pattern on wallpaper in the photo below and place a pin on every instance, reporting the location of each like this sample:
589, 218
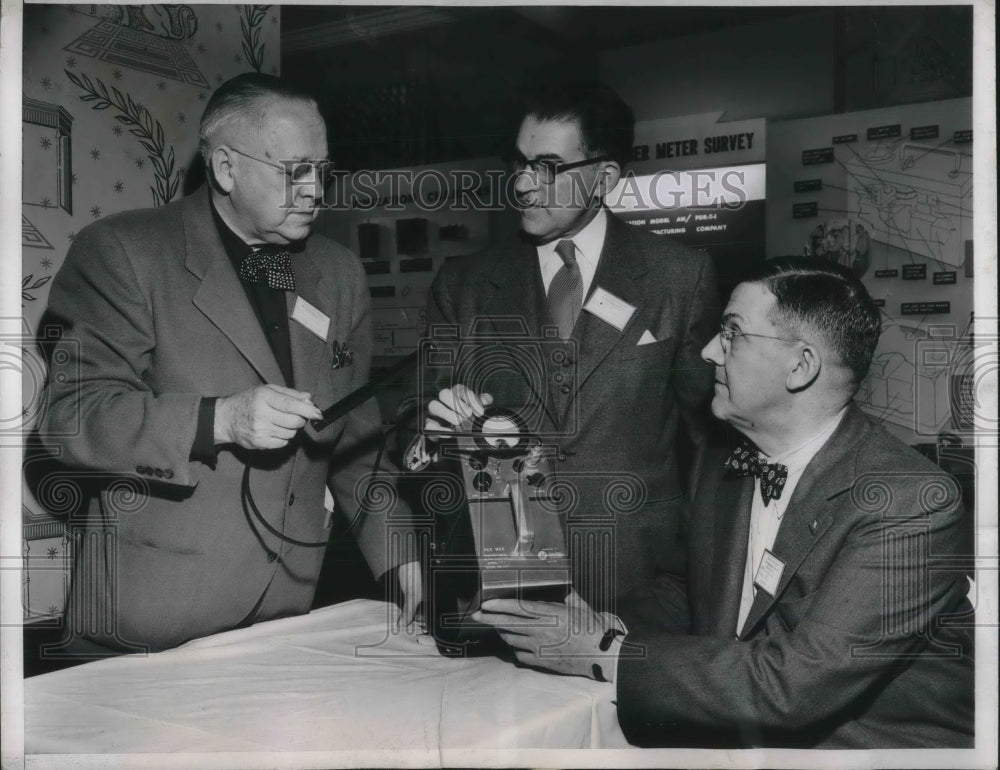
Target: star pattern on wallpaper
138, 67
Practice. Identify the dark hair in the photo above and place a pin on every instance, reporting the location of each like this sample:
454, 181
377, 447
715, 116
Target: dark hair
607, 124
830, 300
239, 100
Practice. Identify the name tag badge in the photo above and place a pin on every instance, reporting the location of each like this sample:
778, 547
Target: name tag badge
609, 308
314, 319
769, 573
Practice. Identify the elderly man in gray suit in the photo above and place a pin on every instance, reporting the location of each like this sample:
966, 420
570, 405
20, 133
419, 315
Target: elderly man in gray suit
826, 600
199, 339
619, 316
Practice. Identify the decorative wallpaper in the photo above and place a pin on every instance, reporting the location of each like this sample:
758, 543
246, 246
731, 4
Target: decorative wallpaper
112, 97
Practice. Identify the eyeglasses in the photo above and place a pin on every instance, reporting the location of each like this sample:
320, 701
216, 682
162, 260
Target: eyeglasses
298, 172
546, 169
727, 334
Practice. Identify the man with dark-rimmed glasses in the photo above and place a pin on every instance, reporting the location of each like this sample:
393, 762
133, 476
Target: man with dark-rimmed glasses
619, 315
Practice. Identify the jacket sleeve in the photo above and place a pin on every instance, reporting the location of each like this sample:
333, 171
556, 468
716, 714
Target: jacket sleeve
874, 609
99, 412
694, 376
381, 522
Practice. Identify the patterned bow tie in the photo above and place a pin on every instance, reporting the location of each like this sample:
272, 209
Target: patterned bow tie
745, 461
271, 267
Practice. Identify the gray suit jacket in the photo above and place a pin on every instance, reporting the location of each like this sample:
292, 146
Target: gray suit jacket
155, 318
867, 642
611, 406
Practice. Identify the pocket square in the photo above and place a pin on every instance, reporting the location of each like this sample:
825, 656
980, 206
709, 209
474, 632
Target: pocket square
342, 356
646, 338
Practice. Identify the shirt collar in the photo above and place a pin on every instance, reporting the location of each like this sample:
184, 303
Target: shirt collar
235, 247
589, 242
799, 457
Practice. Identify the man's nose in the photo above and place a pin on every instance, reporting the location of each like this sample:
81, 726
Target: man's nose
712, 352
525, 181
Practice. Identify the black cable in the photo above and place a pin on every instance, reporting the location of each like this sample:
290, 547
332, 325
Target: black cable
246, 498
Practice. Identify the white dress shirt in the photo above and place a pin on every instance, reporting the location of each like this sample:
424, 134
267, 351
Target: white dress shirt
589, 242
765, 520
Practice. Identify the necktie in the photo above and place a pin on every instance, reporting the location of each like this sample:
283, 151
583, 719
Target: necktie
745, 461
269, 266
566, 290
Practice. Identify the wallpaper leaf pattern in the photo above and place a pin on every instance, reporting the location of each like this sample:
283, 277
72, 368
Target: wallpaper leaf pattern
141, 123
250, 25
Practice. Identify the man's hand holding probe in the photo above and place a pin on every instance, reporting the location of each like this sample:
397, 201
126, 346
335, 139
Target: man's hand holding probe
268, 417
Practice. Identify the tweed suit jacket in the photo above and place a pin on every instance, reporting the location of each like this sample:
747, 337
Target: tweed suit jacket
610, 405
154, 318
867, 641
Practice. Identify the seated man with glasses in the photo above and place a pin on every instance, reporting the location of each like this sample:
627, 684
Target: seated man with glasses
614, 318
826, 592
199, 340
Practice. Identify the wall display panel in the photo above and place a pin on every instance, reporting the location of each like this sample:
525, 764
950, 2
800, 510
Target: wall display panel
888, 193
702, 182
404, 224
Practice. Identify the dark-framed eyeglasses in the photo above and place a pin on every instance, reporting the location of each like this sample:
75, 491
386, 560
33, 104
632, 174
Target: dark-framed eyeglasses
546, 169
728, 333
299, 171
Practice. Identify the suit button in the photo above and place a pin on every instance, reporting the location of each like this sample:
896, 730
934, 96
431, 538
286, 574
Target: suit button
291, 499
168, 474
272, 558
158, 473
564, 389
141, 470
275, 327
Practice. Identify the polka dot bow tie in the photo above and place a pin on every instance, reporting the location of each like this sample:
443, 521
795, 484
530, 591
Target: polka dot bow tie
271, 267
745, 461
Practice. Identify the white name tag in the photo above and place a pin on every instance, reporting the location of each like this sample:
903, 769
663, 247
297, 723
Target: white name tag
609, 308
312, 318
769, 573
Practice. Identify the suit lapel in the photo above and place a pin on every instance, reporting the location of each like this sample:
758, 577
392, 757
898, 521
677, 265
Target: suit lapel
510, 310
731, 505
307, 348
810, 512
220, 296
620, 273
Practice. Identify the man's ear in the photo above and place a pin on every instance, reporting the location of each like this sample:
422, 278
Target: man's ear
806, 368
608, 176
221, 162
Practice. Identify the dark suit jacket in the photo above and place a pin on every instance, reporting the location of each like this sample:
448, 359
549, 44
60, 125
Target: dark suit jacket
611, 405
156, 319
868, 640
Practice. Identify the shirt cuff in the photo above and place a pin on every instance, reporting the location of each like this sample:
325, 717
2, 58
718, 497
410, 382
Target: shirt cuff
203, 449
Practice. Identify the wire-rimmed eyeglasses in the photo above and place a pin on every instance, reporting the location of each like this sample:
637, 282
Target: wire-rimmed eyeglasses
299, 171
728, 333
547, 169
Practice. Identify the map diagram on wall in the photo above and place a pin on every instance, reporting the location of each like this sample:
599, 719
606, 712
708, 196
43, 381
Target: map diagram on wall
888, 194
914, 196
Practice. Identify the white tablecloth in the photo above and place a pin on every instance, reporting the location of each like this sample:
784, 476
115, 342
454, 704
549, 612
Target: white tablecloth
334, 680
